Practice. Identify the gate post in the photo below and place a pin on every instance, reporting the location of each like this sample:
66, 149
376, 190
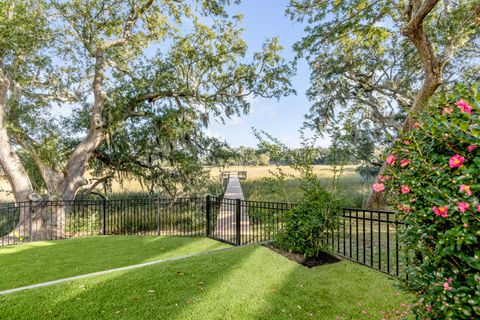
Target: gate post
30, 213
208, 214
238, 215
104, 204
158, 215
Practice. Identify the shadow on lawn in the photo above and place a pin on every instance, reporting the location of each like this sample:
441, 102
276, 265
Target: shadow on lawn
45, 261
244, 283
173, 290
338, 291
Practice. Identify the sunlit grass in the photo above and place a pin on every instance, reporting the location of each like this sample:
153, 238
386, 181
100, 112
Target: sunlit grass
37, 262
246, 283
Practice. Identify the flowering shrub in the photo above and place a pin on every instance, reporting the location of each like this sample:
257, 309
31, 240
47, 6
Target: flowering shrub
433, 178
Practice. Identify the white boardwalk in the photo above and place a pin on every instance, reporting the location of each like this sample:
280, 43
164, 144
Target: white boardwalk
234, 189
226, 218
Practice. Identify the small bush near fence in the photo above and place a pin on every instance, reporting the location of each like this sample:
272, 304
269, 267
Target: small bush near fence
434, 178
307, 225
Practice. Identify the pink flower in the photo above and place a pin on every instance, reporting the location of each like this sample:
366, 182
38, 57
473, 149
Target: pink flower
406, 189
466, 189
478, 207
428, 308
463, 206
446, 286
384, 178
391, 159
466, 225
447, 110
472, 147
378, 187
441, 211
456, 161
416, 125
404, 208
407, 142
464, 106
404, 163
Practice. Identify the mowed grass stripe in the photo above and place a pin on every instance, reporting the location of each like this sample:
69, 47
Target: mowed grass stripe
38, 262
246, 283
100, 273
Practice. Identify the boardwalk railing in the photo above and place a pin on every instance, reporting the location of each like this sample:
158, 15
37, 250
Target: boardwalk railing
369, 237
242, 175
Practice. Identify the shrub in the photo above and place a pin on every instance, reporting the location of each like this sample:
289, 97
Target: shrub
307, 225
367, 172
434, 180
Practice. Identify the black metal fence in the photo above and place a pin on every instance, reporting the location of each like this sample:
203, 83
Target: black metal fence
369, 237
50, 220
241, 222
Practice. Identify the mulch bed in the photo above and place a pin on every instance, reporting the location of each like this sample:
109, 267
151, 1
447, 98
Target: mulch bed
321, 259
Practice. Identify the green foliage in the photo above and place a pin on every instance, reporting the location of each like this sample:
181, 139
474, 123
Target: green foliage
180, 66
247, 156
438, 191
32, 169
368, 173
308, 224
364, 72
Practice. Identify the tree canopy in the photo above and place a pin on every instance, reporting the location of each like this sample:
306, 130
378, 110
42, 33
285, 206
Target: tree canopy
122, 86
374, 63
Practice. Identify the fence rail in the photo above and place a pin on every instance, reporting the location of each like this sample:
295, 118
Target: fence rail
369, 237
50, 220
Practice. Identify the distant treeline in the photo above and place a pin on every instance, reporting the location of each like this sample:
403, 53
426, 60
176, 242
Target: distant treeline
249, 156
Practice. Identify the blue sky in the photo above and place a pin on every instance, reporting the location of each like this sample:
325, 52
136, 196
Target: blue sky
264, 19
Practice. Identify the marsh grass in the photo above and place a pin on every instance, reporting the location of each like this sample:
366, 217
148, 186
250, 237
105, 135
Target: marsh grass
351, 190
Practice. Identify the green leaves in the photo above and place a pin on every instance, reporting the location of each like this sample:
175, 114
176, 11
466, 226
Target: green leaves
447, 244
363, 71
163, 69
308, 225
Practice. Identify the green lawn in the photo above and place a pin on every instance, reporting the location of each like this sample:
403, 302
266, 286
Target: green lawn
50, 260
246, 283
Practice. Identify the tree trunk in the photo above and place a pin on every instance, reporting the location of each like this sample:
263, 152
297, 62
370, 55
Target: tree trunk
44, 220
39, 220
433, 72
419, 106
15, 172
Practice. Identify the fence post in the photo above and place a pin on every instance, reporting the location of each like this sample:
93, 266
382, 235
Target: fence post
30, 213
208, 213
238, 212
104, 216
158, 215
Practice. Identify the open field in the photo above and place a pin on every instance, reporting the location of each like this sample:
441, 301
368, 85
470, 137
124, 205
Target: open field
245, 283
260, 172
126, 186
352, 188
